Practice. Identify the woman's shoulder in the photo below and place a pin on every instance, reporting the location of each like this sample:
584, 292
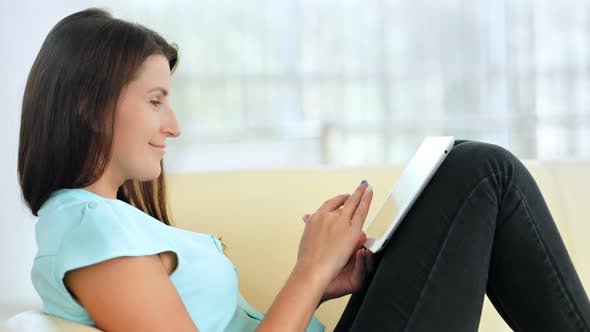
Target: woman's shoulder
76, 229
78, 214
70, 202
77, 204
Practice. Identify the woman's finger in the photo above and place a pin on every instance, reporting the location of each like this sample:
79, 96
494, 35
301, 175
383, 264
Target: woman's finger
361, 241
305, 217
359, 266
334, 203
360, 214
369, 261
353, 202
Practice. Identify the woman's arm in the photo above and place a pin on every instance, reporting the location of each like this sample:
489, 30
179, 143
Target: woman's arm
295, 304
130, 294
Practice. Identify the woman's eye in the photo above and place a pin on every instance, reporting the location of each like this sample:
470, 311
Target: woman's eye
155, 102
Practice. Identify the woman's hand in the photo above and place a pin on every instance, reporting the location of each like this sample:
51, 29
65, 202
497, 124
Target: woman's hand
329, 247
351, 277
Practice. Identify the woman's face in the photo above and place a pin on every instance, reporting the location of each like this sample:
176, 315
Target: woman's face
144, 120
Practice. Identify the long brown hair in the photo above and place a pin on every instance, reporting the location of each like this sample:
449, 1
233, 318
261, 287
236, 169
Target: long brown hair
67, 118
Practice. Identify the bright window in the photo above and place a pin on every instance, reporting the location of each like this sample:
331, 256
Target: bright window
296, 83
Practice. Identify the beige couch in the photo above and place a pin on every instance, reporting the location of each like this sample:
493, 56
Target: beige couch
258, 214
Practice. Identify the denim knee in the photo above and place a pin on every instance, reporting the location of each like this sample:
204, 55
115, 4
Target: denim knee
492, 157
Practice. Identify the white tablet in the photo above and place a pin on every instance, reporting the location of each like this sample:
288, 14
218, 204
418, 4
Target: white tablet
406, 190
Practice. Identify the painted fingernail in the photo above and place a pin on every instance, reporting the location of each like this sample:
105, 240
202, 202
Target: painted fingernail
363, 182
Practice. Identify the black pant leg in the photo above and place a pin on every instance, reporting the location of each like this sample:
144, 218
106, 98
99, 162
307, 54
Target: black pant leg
481, 224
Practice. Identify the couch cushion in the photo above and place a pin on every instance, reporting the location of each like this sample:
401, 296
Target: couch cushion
36, 321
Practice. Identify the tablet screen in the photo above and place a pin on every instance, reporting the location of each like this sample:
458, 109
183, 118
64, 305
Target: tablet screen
377, 227
408, 187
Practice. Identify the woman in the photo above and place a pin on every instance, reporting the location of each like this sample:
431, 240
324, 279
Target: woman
95, 119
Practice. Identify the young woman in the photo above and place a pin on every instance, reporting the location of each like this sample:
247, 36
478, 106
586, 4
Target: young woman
95, 120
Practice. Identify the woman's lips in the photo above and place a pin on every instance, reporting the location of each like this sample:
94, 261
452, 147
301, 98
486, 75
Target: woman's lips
159, 147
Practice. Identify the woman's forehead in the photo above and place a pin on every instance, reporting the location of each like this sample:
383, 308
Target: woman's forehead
154, 70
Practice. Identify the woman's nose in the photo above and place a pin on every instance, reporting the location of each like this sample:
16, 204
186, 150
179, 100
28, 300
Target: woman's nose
170, 126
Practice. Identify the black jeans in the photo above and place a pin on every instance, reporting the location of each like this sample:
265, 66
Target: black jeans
480, 226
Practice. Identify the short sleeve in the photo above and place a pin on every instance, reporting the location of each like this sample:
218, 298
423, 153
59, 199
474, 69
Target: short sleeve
103, 233
315, 325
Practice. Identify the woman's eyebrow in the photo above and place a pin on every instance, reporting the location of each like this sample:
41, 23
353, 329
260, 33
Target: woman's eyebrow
164, 91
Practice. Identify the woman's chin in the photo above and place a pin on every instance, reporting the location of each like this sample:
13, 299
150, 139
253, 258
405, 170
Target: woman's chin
151, 174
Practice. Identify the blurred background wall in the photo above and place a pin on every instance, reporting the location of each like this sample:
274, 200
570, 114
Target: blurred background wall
304, 83
23, 27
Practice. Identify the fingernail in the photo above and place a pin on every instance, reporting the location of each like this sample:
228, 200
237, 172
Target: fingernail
363, 182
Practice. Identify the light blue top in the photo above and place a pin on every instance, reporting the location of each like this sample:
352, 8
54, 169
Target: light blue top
78, 228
